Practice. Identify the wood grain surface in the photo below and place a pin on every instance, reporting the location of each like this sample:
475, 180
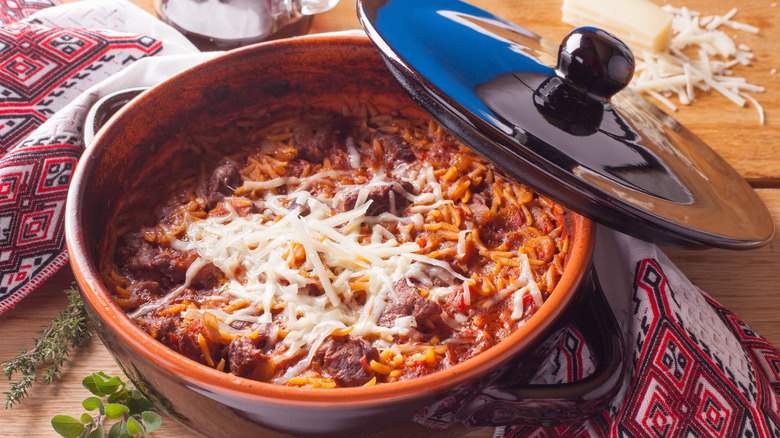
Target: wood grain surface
744, 282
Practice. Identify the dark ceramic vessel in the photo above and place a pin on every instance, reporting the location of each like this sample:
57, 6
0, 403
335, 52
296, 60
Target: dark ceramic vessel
317, 71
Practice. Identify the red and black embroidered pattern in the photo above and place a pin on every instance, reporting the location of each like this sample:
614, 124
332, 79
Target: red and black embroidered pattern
569, 360
696, 371
693, 377
42, 69
14, 10
33, 183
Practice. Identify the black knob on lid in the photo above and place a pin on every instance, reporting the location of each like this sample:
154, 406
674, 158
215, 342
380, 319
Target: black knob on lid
595, 62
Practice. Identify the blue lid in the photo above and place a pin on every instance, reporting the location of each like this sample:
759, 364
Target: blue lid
559, 119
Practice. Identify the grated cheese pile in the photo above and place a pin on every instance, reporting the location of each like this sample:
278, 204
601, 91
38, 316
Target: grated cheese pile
699, 57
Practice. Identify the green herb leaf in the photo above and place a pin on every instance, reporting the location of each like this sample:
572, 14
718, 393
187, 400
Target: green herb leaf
151, 421
124, 403
134, 427
137, 406
99, 432
121, 395
89, 383
106, 385
116, 430
92, 403
123, 428
67, 426
115, 410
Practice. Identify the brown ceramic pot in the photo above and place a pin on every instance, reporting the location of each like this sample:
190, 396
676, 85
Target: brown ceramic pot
314, 70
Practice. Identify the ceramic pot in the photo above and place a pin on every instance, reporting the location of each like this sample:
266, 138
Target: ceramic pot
320, 71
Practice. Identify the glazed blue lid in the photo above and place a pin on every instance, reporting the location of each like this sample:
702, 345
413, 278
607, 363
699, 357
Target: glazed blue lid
559, 118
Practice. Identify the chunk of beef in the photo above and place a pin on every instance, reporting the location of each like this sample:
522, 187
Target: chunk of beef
494, 229
149, 262
134, 252
240, 325
408, 302
142, 292
314, 141
312, 290
480, 213
208, 277
160, 327
246, 356
400, 149
346, 360
172, 264
383, 198
542, 220
175, 334
169, 211
295, 168
185, 341
224, 181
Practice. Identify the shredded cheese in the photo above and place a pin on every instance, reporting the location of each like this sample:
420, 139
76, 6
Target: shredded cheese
255, 254
700, 57
521, 286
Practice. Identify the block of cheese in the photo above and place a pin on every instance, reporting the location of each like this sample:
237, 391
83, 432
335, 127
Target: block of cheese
639, 23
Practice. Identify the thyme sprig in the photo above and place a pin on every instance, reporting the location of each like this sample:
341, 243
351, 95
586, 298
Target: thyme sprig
67, 331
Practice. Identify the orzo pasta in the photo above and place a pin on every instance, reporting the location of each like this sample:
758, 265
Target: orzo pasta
329, 249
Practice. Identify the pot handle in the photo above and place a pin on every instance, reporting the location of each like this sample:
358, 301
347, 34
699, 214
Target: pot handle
104, 108
502, 404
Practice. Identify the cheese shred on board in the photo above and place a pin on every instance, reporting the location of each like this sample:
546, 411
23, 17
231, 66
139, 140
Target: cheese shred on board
700, 56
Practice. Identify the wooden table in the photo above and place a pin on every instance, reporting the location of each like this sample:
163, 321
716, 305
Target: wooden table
744, 282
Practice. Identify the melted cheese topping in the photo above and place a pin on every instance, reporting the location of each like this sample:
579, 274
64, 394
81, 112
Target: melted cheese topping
273, 260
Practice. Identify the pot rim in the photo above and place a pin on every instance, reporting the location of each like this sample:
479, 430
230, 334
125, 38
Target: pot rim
204, 377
